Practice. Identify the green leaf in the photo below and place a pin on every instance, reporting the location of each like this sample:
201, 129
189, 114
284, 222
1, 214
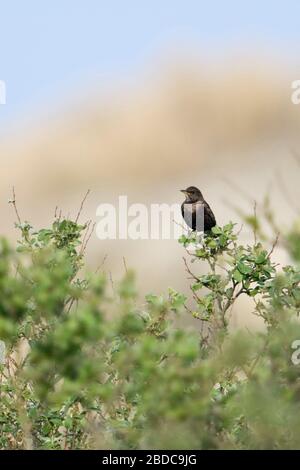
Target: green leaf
223, 240
261, 258
237, 276
216, 230
212, 244
201, 253
197, 286
244, 268
229, 292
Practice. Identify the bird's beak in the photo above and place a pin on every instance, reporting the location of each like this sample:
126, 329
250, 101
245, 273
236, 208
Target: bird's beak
183, 191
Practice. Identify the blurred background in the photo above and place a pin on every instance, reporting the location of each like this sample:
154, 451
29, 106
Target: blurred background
142, 99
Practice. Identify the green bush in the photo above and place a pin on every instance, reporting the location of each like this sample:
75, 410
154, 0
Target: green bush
87, 369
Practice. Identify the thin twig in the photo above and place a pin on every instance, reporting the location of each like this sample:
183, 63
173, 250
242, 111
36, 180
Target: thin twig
188, 309
184, 228
112, 282
125, 265
195, 295
89, 237
255, 222
13, 202
239, 231
188, 270
273, 245
81, 205
88, 223
102, 263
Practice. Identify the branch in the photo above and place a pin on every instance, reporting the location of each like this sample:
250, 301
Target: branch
13, 202
189, 271
274, 245
81, 205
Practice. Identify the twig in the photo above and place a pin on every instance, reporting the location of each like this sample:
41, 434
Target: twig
231, 301
188, 270
184, 228
74, 301
255, 222
81, 205
222, 267
112, 282
273, 245
195, 295
88, 223
125, 265
102, 263
239, 231
88, 238
188, 309
13, 202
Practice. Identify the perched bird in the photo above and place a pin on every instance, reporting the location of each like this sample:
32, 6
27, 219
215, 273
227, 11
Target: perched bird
196, 212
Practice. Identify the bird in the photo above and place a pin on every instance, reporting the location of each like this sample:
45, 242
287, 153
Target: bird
196, 212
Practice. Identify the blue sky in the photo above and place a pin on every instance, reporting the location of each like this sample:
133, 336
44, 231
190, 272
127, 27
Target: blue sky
49, 48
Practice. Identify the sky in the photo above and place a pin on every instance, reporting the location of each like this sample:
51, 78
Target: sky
50, 49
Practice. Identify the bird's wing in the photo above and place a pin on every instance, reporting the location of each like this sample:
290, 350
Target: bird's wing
209, 218
188, 213
198, 216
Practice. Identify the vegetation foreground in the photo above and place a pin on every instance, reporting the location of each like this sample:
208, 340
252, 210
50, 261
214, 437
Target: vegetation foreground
84, 368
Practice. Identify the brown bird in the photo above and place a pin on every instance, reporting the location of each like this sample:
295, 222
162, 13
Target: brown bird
196, 212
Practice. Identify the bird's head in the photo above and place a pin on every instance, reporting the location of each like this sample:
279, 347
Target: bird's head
192, 194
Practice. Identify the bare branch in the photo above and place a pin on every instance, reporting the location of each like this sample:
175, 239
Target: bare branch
112, 282
274, 245
255, 222
81, 205
88, 238
189, 271
102, 263
125, 265
13, 202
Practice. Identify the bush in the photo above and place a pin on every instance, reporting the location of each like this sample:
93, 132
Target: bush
85, 369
